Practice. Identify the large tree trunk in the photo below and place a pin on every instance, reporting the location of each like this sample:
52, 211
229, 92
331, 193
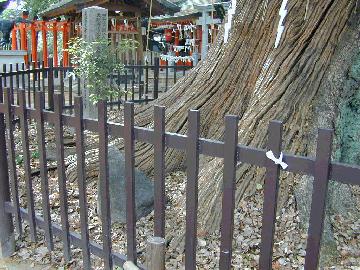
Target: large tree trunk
248, 77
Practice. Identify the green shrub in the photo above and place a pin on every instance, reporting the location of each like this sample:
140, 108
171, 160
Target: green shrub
96, 61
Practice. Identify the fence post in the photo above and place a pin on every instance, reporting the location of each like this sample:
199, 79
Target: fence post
155, 253
51, 86
7, 237
156, 77
318, 200
271, 187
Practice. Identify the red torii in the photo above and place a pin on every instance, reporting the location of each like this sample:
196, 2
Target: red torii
42, 26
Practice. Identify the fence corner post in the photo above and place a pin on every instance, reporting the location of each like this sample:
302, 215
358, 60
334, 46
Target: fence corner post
7, 236
155, 253
156, 77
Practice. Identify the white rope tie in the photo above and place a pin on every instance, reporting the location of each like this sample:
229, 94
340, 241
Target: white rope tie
277, 161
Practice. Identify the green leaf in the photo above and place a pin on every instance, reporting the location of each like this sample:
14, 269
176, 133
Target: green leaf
19, 159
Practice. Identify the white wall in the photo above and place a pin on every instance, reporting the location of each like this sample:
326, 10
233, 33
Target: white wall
11, 57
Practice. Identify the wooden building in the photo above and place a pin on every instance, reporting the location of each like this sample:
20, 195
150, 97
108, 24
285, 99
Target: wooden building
191, 30
124, 18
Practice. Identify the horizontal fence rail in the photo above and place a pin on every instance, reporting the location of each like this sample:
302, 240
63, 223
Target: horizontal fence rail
321, 167
137, 82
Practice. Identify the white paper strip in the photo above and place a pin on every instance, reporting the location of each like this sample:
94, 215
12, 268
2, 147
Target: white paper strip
176, 58
228, 24
281, 27
279, 161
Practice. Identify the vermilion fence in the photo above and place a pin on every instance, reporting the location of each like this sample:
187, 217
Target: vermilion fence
321, 167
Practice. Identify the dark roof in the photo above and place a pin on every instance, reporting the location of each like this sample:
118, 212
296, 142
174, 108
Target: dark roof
65, 7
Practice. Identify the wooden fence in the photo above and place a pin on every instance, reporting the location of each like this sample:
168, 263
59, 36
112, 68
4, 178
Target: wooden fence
321, 167
139, 83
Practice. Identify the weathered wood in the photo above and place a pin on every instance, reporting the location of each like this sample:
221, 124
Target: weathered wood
59, 137
318, 202
129, 265
271, 183
27, 169
130, 181
159, 174
192, 171
155, 253
12, 164
104, 184
81, 177
40, 105
229, 188
7, 239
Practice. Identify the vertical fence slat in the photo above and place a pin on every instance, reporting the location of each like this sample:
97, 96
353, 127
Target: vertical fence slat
78, 86
81, 179
140, 85
118, 82
126, 84
159, 171
59, 137
23, 77
319, 193
39, 105
12, 163
111, 95
50, 94
70, 90
166, 75
175, 70
6, 225
11, 84
61, 77
271, 186
43, 77
104, 183
27, 168
146, 79
34, 80
192, 171
156, 78
38, 77
28, 84
130, 181
5, 77
229, 186
133, 83
17, 79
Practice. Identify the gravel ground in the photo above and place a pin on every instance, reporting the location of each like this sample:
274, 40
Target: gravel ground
290, 239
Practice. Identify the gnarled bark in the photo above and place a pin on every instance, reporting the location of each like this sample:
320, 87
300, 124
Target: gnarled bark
248, 77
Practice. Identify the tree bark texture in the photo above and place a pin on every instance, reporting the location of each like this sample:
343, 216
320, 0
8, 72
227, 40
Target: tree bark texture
248, 77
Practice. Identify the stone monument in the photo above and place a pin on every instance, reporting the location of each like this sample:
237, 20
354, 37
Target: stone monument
144, 189
94, 27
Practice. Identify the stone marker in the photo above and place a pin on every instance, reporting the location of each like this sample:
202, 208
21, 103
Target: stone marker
94, 27
144, 189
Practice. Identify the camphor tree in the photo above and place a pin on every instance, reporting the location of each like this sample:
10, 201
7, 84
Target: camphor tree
300, 83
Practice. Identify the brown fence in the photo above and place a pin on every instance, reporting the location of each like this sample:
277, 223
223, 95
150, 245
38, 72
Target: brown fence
138, 83
321, 167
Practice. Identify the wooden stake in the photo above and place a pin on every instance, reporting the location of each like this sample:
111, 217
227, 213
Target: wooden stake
130, 266
155, 253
